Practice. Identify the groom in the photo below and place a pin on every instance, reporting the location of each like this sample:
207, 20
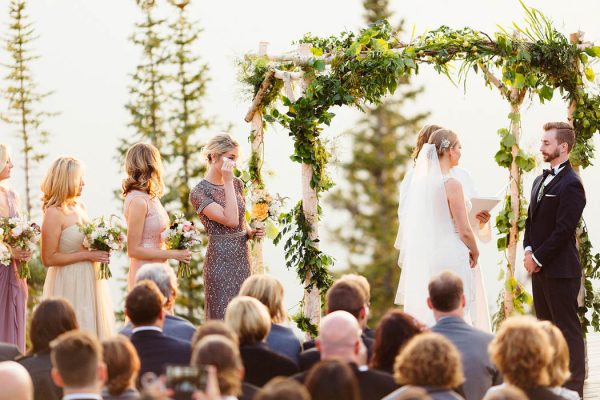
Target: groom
551, 256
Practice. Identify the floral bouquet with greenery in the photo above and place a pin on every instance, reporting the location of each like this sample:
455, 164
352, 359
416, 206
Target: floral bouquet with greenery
265, 211
182, 235
19, 233
99, 235
5, 254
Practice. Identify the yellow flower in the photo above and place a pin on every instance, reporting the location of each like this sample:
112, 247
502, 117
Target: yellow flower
260, 211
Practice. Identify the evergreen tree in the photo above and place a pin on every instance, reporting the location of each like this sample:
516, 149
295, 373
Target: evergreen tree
186, 121
26, 116
382, 143
24, 100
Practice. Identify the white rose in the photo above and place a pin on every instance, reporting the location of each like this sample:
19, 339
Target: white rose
16, 232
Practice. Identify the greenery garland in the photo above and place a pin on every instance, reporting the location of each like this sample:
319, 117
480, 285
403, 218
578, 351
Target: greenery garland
535, 60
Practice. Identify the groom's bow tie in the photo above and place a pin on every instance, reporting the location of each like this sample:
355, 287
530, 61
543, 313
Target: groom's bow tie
548, 172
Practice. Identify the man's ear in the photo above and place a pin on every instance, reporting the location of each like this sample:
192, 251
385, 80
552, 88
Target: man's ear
429, 303
56, 378
362, 314
463, 301
102, 372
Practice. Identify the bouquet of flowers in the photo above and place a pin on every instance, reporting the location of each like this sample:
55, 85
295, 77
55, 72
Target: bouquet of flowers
19, 233
5, 255
104, 237
181, 235
265, 211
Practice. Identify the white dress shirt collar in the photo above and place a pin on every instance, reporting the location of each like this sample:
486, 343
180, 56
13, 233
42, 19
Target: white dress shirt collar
87, 396
146, 328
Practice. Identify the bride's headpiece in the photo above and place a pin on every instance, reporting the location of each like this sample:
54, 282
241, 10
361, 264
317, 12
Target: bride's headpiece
444, 144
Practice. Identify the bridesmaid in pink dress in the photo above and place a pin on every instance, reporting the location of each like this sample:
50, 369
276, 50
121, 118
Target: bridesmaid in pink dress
13, 291
146, 217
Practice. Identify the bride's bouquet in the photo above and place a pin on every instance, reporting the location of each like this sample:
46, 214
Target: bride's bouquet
19, 233
265, 211
182, 235
99, 235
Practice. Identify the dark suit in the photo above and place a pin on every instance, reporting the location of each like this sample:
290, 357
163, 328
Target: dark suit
39, 366
261, 364
8, 352
175, 327
310, 356
373, 384
472, 345
550, 231
156, 350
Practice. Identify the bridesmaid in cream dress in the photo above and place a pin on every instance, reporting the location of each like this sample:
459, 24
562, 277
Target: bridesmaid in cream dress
146, 217
71, 268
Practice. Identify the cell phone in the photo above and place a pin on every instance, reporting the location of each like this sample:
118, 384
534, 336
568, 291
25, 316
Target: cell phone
186, 379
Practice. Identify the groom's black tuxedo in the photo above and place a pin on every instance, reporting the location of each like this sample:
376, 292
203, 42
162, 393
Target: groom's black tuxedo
550, 231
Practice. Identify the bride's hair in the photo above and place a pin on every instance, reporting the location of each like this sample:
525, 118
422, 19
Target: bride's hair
144, 169
443, 139
61, 184
423, 137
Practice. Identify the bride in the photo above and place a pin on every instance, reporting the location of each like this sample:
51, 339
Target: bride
437, 235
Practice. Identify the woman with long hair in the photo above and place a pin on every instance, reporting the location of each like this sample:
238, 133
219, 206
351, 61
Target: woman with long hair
145, 216
72, 269
13, 290
219, 201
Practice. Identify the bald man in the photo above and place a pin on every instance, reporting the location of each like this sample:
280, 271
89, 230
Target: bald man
339, 337
16, 382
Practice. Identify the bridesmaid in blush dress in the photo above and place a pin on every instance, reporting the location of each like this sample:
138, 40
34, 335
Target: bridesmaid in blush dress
13, 291
72, 269
219, 201
146, 217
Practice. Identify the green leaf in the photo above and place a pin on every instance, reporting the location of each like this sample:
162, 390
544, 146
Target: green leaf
519, 81
593, 51
546, 93
319, 65
589, 74
271, 230
317, 52
514, 117
502, 243
509, 140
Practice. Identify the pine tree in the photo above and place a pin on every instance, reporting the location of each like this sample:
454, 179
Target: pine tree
382, 142
187, 120
24, 100
147, 90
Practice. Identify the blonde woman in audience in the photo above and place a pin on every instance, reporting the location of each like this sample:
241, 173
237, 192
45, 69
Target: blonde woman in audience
522, 351
269, 291
558, 369
430, 361
283, 389
72, 269
146, 217
122, 366
250, 320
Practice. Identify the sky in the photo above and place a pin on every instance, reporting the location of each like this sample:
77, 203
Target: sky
86, 58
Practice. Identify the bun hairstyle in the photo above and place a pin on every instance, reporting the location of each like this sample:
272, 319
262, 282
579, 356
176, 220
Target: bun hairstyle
218, 145
443, 139
423, 137
144, 168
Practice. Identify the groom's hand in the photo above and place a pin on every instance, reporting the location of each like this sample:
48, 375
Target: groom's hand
529, 263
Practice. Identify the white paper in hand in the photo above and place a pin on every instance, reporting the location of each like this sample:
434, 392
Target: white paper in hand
480, 204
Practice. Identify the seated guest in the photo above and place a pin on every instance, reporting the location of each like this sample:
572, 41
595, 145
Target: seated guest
51, 318
558, 369
363, 283
214, 327
505, 392
339, 337
332, 380
412, 393
16, 382
432, 362
165, 279
394, 330
251, 321
77, 365
522, 352
143, 307
269, 291
224, 355
346, 296
122, 365
447, 300
282, 389
8, 352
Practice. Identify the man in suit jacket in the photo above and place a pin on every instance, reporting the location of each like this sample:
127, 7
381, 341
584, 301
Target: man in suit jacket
143, 307
551, 256
77, 365
447, 300
164, 277
339, 337
16, 383
8, 352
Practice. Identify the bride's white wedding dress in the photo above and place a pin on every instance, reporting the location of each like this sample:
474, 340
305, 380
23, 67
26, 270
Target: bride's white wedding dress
430, 244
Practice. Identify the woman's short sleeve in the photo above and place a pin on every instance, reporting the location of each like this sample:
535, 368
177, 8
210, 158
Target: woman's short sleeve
200, 197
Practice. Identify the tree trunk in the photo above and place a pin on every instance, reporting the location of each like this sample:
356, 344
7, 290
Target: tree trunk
257, 152
310, 204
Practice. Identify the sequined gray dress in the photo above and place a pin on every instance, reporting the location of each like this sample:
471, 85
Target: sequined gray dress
227, 262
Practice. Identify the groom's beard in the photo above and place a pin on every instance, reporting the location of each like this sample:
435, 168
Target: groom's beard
551, 157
